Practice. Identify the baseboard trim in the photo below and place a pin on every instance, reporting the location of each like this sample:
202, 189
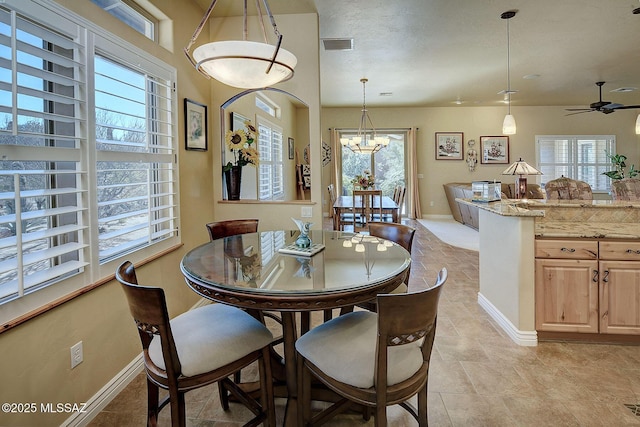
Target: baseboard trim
523, 338
106, 394
437, 217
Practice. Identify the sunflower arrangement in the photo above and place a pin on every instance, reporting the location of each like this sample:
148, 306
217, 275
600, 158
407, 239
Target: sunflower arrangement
242, 143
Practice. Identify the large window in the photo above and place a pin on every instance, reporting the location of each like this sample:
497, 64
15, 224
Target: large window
88, 170
131, 14
581, 157
271, 168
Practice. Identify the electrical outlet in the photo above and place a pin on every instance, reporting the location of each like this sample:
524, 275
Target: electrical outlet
76, 354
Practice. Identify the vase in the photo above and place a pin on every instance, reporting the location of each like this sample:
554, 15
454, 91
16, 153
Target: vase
233, 178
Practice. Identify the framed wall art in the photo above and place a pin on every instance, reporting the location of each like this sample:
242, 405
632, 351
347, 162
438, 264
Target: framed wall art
494, 150
291, 148
195, 125
449, 146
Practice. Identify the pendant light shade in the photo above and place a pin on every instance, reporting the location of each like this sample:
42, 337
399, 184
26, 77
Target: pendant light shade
638, 125
509, 123
242, 63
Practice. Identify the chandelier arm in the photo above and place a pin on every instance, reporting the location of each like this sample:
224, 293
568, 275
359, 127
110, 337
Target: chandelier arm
508, 70
271, 18
197, 32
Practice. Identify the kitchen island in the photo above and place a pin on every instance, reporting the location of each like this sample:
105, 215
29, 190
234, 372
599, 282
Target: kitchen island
561, 269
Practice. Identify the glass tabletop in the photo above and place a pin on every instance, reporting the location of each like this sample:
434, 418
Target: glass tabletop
252, 263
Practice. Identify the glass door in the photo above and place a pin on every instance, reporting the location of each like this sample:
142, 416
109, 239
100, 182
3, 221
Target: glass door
388, 165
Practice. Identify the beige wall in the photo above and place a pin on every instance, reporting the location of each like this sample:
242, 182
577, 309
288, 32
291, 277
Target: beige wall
475, 122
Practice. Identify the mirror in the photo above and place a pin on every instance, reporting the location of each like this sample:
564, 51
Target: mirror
282, 120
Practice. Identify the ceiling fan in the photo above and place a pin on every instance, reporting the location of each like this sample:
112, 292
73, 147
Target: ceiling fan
605, 107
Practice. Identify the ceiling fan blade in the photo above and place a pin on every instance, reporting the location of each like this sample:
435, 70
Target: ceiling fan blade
578, 109
579, 112
623, 107
612, 106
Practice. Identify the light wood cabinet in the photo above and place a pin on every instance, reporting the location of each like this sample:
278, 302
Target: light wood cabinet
588, 286
566, 286
620, 287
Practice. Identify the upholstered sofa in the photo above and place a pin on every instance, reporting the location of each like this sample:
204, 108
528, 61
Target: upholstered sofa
468, 215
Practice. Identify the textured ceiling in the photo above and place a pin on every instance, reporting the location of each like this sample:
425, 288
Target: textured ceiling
434, 52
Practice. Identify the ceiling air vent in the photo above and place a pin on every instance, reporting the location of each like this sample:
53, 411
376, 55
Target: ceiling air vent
337, 44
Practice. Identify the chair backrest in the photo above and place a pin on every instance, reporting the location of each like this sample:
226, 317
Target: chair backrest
400, 200
332, 193
626, 189
406, 318
364, 203
220, 229
568, 189
148, 307
398, 233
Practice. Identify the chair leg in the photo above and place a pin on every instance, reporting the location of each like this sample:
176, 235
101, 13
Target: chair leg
224, 396
266, 388
381, 416
178, 410
152, 404
423, 413
304, 394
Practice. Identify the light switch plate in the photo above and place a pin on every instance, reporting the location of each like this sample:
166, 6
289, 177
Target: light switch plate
306, 212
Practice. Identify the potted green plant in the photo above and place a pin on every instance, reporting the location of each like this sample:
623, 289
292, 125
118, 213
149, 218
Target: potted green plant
618, 161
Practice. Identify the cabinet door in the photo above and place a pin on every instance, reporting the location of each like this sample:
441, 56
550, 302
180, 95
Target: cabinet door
567, 295
620, 297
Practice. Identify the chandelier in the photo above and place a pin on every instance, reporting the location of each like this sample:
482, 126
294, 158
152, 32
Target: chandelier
242, 63
366, 142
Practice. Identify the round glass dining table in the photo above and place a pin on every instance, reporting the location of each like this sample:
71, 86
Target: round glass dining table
250, 271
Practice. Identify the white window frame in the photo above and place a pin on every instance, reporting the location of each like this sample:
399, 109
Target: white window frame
271, 167
92, 38
589, 169
133, 9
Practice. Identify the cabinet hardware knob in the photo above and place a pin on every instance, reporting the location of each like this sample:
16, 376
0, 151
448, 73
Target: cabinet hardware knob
606, 276
631, 251
568, 250
594, 279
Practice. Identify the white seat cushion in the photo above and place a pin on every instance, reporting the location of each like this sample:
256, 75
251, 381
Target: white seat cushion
345, 349
402, 289
212, 336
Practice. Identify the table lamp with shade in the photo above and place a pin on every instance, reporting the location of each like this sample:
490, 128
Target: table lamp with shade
521, 168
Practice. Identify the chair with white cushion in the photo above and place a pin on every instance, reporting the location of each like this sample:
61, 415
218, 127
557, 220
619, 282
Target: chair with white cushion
195, 349
372, 359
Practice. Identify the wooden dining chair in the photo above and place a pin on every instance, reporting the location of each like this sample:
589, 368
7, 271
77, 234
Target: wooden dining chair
372, 359
398, 233
220, 229
344, 218
366, 207
197, 348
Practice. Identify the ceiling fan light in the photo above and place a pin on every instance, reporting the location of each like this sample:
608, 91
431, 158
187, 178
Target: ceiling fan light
638, 125
243, 64
509, 125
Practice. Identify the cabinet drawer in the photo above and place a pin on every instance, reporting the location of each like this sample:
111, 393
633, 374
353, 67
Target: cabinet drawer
620, 250
571, 249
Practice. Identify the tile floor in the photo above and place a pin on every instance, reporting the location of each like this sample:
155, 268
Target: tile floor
478, 376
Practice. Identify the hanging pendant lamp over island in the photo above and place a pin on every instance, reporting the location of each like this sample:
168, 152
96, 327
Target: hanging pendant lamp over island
242, 63
509, 123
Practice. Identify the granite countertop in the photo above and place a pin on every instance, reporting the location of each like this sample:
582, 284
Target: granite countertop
505, 207
615, 219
